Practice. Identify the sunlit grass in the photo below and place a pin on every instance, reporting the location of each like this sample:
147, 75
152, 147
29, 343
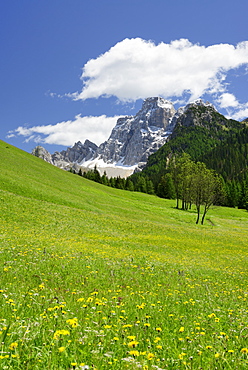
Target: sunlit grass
99, 278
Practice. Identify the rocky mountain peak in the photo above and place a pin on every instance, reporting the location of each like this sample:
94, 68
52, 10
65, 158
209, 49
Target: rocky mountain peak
134, 138
42, 153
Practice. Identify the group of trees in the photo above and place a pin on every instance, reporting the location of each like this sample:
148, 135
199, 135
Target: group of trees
191, 183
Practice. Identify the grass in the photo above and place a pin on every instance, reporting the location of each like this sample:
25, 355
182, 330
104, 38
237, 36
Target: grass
99, 278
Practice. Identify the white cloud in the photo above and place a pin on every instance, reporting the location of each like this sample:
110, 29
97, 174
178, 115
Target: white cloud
97, 129
135, 69
228, 100
233, 107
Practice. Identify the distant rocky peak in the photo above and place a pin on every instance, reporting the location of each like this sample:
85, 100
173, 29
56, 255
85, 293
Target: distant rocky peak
199, 103
155, 103
41, 152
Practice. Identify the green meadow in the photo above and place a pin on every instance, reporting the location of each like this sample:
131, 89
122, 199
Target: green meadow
99, 278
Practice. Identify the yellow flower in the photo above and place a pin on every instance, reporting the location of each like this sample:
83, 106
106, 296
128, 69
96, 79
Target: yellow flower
80, 299
131, 337
244, 350
61, 349
157, 339
133, 344
159, 346
150, 356
13, 346
181, 329
60, 332
159, 329
73, 322
180, 356
211, 315
217, 355
134, 352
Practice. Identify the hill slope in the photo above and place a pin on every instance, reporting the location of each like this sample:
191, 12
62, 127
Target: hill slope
96, 277
87, 207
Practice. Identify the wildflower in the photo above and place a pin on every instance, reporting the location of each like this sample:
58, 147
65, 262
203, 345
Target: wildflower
60, 332
131, 337
230, 351
147, 324
134, 353
211, 315
150, 356
80, 299
180, 356
133, 344
217, 355
181, 329
13, 346
209, 347
158, 330
159, 347
157, 339
61, 349
127, 326
73, 322
244, 350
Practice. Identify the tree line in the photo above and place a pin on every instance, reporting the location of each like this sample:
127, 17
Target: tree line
143, 184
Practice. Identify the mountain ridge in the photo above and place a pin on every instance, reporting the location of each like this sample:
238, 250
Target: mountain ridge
134, 138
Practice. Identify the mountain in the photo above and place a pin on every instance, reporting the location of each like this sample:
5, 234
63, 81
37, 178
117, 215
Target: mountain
147, 139
132, 141
207, 136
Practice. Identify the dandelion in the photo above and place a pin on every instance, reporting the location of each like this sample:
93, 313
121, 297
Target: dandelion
133, 344
157, 339
13, 346
134, 353
61, 349
211, 315
158, 330
244, 350
181, 355
150, 356
57, 333
73, 322
181, 329
217, 355
209, 347
230, 351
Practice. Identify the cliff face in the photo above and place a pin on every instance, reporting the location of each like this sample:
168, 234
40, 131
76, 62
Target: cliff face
134, 138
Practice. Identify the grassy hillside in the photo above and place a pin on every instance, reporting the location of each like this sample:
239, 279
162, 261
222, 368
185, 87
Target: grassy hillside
100, 277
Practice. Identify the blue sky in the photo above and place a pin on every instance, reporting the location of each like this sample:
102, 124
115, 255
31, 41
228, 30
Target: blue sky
70, 68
